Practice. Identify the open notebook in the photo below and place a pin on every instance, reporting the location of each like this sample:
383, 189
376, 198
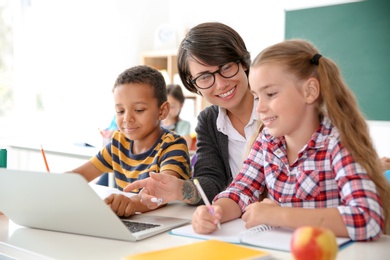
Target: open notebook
67, 203
262, 236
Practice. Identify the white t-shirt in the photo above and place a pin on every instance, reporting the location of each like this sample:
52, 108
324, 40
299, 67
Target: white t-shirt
237, 143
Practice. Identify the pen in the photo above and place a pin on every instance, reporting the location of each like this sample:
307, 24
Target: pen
205, 200
44, 159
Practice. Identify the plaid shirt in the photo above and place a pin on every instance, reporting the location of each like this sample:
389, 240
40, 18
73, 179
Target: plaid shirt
324, 176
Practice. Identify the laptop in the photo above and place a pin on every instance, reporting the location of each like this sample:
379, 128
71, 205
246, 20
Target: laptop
67, 203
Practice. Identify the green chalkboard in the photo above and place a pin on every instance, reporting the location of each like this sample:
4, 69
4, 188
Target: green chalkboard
357, 37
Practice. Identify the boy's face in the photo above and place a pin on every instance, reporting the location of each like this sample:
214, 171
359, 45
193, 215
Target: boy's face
138, 115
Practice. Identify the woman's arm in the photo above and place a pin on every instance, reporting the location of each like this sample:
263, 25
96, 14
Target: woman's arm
212, 167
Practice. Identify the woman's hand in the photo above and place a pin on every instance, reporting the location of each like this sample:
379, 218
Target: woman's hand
159, 188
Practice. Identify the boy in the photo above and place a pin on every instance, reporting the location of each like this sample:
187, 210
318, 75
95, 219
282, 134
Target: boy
140, 145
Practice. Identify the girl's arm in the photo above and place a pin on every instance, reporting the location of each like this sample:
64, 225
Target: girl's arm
270, 213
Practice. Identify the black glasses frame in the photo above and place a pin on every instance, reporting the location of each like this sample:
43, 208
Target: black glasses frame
193, 81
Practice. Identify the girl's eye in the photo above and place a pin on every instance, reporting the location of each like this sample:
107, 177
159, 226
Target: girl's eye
271, 94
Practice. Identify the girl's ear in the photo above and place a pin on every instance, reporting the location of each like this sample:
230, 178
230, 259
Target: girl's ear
164, 110
311, 90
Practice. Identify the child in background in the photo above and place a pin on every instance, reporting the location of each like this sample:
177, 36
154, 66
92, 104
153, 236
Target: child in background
173, 121
142, 145
107, 137
386, 167
314, 155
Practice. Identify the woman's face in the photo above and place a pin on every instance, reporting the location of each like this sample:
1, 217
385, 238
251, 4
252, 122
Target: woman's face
227, 93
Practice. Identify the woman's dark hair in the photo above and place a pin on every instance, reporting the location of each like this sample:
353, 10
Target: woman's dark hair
212, 44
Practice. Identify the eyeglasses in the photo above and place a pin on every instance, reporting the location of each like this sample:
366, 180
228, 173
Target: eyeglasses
207, 80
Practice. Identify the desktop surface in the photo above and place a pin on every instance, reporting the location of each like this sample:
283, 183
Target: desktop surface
19, 242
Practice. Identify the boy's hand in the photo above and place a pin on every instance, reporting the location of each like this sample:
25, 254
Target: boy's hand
123, 206
205, 223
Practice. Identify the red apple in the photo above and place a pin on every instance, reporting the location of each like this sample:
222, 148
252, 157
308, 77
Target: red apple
313, 243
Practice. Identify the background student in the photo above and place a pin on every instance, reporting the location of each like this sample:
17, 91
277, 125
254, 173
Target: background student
173, 121
142, 145
213, 62
386, 167
314, 155
107, 137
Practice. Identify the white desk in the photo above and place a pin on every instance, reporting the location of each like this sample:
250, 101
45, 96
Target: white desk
27, 243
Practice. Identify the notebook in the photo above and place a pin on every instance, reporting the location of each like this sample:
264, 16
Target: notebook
209, 249
262, 236
67, 203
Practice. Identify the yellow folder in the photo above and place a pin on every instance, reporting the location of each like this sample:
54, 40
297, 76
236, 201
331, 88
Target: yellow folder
208, 249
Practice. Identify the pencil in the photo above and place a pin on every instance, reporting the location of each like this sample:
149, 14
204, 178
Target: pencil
44, 159
205, 200
101, 132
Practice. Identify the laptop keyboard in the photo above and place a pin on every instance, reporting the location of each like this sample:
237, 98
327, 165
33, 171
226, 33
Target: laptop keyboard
138, 226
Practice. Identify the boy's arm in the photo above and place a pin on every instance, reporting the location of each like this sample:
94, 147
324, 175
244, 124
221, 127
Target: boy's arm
88, 171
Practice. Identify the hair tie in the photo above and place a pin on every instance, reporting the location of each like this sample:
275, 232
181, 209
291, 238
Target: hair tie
315, 59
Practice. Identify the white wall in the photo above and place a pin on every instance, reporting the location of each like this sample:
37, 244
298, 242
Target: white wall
76, 48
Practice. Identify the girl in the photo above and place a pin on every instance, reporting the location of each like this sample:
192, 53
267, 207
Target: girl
314, 155
173, 121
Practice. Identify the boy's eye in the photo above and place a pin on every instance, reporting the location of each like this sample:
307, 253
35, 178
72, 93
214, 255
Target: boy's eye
139, 110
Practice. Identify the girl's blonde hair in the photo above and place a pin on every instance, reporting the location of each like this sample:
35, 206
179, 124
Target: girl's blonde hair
248, 147
337, 101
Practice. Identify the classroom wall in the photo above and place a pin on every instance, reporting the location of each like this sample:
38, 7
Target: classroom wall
73, 55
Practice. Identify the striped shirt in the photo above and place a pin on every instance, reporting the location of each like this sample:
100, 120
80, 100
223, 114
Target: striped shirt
170, 152
325, 175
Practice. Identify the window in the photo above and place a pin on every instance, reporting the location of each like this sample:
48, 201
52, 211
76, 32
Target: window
6, 57
58, 63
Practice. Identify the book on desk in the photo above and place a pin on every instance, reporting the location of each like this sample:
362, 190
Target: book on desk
261, 236
209, 249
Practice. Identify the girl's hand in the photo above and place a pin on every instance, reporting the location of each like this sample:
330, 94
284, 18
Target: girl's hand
259, 213
203, 222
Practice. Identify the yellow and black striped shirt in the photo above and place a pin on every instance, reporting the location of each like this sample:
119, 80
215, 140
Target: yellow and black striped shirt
170, 152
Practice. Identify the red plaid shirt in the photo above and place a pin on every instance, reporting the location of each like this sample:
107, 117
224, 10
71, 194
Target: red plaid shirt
324, 176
